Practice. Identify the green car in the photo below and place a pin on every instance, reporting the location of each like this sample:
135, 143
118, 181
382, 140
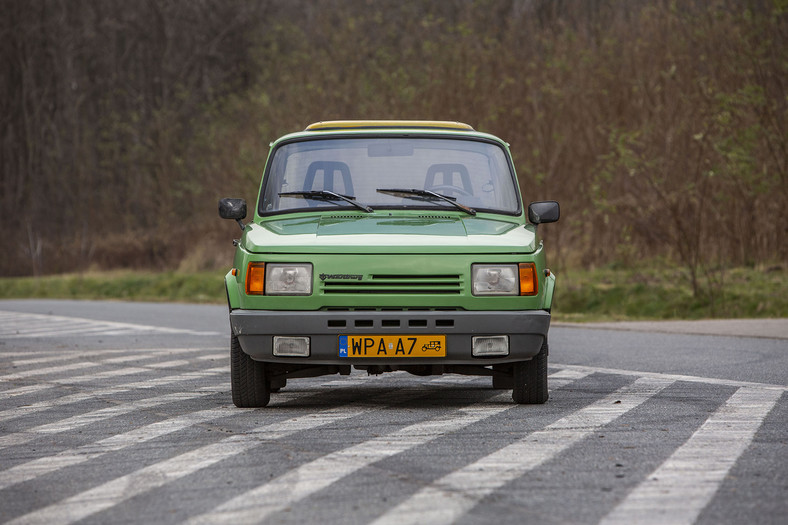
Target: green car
385, 246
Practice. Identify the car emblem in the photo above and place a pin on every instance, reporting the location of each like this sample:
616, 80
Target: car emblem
340, 276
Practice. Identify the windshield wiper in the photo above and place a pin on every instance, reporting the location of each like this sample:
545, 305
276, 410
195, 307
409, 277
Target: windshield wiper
325, 195
426, 195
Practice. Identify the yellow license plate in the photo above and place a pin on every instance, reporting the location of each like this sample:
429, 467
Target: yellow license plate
392, 346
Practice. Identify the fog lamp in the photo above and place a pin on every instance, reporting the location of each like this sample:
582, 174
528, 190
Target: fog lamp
291, 346
490, 345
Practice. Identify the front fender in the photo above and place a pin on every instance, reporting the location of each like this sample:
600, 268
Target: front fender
549, 289
233, 294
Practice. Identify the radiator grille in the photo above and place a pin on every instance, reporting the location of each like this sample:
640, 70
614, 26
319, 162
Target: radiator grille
397, 285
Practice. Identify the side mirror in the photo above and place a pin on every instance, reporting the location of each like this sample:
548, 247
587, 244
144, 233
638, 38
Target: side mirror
233, 209
543, 211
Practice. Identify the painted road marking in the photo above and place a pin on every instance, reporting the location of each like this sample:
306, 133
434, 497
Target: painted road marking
94, 376
701, 463
81, 420
16, 325
260, 502
67, 458
13, 413
682, 486
109, 494
453, 495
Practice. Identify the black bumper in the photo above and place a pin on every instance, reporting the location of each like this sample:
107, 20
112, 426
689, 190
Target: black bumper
255, 330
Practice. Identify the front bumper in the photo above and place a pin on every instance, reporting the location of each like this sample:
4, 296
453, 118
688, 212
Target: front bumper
255, 330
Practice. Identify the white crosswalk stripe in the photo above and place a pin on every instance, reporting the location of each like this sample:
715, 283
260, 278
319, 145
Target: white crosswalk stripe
179, 394
12, 413
47, 371
456, 493
109, 494
141, 357
15, 325
58, 358
67, 458
256, 504
74, 422
141, 354
682, 486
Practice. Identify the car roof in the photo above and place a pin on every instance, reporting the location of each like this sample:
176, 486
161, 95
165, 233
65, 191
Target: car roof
331, 125
393, 128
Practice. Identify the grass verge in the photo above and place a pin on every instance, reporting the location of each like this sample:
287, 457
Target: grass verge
603, 294
197, 287
607, 294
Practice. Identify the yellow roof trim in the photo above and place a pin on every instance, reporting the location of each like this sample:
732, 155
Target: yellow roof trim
381, 124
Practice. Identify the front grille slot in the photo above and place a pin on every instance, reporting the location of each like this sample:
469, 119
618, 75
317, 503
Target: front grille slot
390, 325
397, 285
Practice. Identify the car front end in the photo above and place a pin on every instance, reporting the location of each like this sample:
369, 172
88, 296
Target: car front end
389, 247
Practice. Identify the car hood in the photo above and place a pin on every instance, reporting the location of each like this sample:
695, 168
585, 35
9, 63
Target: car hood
383, 233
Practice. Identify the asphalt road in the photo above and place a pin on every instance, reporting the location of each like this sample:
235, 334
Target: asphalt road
121, 412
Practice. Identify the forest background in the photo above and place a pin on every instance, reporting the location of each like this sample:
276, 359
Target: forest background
660, 126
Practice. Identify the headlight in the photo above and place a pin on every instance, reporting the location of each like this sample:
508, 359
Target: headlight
288, 279
495, 279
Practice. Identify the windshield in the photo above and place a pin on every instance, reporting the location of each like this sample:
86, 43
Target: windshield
474, 174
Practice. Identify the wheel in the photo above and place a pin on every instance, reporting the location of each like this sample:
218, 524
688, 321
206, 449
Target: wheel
530, 379
247, 378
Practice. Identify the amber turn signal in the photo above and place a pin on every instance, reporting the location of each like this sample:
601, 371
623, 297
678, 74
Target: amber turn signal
255, 278
529, 283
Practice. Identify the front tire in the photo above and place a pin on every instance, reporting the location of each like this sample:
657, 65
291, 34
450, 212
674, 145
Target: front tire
248, 380
530, 379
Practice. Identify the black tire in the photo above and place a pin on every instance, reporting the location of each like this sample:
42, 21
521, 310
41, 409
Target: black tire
530, 379
247, 378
